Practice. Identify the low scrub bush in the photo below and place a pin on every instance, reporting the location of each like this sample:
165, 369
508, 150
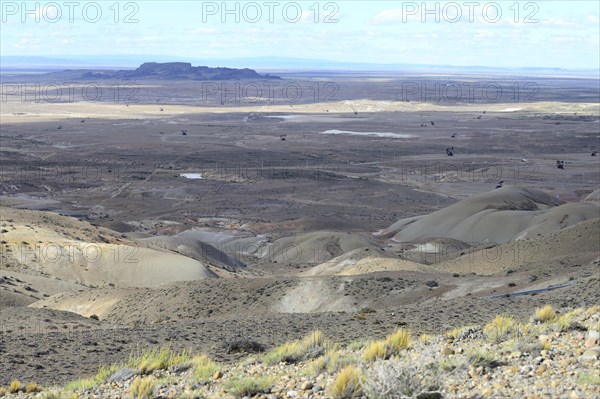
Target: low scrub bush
248, 386
483, 358
395, 379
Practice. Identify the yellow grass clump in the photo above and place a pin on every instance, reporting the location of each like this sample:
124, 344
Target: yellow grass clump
375, 350
81, 384
500, 328
347, 384
425, 338
545, 314
593, 310
142, 388
205, 368
399, 340
331, 361
310, 347
106, 371
32, 387
158, 359
14, 386
315, 339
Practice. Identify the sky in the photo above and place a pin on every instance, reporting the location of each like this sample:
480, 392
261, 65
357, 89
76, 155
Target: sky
558, 34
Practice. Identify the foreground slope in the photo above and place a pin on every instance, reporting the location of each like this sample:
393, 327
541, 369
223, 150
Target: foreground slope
549, 355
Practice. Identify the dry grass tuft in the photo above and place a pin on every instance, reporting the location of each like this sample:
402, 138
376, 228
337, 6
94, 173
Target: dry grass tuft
315, 339
347, 384
106, 371
310, 347
157, 359
483, 358
398, 341
500, 328
545, 314
32, 387
80, 385
205, 368
14, 386
52, 395
248, 386
376, 350
142, 388
332, 361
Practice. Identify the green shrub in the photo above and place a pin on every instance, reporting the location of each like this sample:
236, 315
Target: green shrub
483, 358
589, 379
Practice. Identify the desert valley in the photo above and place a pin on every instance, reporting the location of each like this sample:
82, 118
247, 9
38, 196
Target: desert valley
196, 213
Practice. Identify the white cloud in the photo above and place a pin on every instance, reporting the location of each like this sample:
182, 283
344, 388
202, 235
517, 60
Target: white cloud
202, 31
387, 17
559, 22
150, 39
484, 34
566, 39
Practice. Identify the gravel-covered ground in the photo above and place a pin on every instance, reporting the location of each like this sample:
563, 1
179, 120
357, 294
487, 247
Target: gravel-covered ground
554, 358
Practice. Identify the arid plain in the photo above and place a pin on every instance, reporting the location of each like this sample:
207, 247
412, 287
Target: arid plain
177, 216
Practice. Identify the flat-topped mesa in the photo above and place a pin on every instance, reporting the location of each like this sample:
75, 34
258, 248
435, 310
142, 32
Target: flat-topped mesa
163, 71
185, 70
164, 68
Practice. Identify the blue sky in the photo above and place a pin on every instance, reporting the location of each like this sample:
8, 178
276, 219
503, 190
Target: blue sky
557, 33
